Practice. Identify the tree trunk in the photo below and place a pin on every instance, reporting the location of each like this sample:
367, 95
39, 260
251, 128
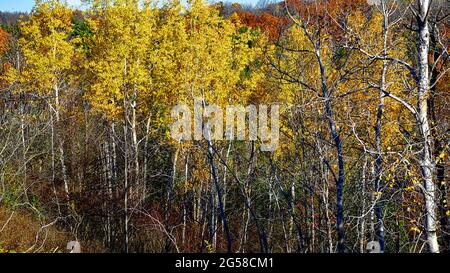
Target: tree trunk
171, 183
24, 147
144, 177
126, 167
362, 239
60, 142
340, 155
440, 142
136, 180
126, 186
52, 126
379, 227
427, 164
217, 185
185, 199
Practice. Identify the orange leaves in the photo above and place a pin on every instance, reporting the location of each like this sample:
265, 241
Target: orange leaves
4, 45
4, 36
330, 7
329, 15
270, 24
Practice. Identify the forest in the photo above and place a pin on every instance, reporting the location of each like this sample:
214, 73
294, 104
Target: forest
362, 156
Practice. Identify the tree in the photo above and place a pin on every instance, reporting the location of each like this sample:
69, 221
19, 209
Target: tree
121, 43
48, 52
423, 90
87, 116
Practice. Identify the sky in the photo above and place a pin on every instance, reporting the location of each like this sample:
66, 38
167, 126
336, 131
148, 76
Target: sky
26, 5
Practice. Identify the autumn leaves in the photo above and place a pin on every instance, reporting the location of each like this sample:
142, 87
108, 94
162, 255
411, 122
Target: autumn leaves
104, 82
